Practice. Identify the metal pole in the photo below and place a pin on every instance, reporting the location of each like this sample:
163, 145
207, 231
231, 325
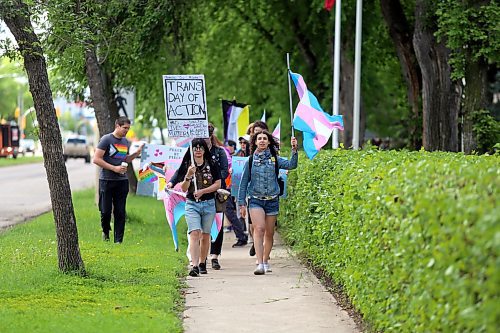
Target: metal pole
336, 72
357, 75
193, 163
290, 91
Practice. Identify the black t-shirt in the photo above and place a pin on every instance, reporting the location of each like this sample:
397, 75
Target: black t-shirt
115, 152
205, 177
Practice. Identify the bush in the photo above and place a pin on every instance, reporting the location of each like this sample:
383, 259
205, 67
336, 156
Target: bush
412, 236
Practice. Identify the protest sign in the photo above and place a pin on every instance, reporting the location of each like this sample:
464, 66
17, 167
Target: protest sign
186, 106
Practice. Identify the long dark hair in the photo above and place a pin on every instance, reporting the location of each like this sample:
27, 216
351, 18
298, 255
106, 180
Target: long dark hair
186, 160
272, 142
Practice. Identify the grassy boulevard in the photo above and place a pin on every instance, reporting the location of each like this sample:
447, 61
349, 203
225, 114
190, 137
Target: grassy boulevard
20, 160
132, 287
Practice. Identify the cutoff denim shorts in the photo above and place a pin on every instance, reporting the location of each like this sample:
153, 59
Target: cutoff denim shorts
200, 215
270, 207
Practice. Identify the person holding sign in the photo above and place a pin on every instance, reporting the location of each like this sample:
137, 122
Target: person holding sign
200, 203
259, 183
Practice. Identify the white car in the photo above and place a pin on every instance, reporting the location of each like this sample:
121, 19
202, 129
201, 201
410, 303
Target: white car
77, 147
27, 146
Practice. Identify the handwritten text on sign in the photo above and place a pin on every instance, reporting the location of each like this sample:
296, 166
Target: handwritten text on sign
185, 105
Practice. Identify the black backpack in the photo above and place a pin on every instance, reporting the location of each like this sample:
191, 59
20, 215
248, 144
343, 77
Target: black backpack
281, 182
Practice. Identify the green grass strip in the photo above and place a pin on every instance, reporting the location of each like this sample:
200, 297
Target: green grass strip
132, 287
20, 160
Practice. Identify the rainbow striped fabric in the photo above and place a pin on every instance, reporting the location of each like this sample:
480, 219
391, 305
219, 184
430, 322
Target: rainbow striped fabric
121, 151
147, 175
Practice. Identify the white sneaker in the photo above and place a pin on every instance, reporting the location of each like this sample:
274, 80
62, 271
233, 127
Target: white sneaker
259, 270
267, 267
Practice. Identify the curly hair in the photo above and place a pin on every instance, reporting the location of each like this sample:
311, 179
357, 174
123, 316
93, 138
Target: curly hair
272, 142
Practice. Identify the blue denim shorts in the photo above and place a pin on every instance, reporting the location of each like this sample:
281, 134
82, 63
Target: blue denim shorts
200, 215
270, 207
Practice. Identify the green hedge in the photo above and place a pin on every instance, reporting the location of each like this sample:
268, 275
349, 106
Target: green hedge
413, 237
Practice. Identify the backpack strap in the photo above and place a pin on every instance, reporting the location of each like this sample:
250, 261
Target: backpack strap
250, 162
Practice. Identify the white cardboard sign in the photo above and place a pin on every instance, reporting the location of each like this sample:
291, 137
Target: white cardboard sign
186, 106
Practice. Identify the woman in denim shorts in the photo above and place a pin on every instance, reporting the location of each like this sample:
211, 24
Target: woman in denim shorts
259, 183
200, 204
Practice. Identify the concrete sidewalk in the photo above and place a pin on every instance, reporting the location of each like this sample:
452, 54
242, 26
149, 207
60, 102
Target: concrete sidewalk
233, 299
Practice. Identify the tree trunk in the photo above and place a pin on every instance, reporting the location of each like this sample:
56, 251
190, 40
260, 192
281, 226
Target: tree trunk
475, 90
402, 36
347, 101
98, 91
17, 17
114, 114
440, 95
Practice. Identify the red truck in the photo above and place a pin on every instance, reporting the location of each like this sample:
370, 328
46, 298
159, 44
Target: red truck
9, 140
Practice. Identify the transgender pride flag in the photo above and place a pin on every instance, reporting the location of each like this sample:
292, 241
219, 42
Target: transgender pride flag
277, 131
315, 124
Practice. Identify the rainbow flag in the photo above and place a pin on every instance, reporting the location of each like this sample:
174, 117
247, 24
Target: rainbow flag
120, 151
147, 175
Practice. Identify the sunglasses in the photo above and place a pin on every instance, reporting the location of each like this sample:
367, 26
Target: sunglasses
198, 148
243, 142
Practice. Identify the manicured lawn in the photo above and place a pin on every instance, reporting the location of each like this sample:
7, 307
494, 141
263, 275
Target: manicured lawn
20, 160
132, 287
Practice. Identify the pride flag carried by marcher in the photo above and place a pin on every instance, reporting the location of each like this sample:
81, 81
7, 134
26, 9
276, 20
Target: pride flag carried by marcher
315, 124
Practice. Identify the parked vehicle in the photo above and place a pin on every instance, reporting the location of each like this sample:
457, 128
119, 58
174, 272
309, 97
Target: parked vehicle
76, 147
9, 140
27, 146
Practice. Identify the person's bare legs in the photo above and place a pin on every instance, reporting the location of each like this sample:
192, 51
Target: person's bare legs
269, 236
259, 226
205, 246
194, 246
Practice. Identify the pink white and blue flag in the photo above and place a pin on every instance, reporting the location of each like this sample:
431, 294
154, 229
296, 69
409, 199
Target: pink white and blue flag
182, 142
277, 131
175, 203
315, 124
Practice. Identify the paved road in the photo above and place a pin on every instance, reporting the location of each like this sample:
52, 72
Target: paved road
24, 190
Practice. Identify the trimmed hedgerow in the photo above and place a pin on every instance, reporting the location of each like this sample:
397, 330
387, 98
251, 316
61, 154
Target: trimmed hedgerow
413, 237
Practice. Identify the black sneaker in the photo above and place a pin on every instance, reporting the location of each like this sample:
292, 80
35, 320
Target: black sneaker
252, 251
194, 272
240, 243
105, 236
215, 264
203, 268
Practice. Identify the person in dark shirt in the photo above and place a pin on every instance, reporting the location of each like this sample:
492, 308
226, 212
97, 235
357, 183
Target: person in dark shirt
200, 200
112, 156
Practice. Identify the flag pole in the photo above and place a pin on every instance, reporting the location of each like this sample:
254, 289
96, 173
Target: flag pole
357, 76
336, 72
289, 91
193, 163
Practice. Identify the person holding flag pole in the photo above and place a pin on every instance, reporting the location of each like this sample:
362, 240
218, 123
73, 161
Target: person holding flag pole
201, 180
259, 183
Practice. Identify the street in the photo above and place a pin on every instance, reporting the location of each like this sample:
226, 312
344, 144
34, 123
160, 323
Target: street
24, 190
